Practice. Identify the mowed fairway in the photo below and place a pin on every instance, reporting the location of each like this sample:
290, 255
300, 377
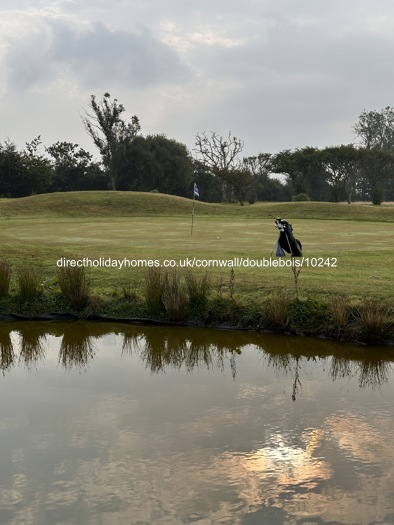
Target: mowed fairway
360, 252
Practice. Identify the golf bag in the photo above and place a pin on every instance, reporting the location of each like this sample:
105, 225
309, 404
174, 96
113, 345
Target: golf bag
287, 242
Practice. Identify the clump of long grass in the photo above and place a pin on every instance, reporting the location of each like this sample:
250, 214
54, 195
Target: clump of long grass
277, 309
74, 285
231, 284
129, 293
28, 283
374, 320
5, 278
339, 308
153, 290
198, 287
174, 296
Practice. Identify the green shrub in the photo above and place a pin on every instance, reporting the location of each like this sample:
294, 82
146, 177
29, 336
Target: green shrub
377, 195
301, 197
308, 315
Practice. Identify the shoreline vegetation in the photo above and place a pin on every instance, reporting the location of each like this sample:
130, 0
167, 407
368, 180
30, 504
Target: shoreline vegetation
181, 299
352, 303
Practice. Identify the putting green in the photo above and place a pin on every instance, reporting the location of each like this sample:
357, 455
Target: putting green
359, 253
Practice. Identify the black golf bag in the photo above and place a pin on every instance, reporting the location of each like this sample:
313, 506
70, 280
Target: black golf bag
287, 242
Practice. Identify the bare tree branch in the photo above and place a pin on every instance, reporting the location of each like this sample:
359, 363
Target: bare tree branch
216, 152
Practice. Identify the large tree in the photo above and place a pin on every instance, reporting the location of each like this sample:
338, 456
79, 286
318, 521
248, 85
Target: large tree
23, 173
377, 168
303, 171
222, 157
110, 132
375, 129
217, 152
11, 164
156, 162
265, 187
74, 168
342, 167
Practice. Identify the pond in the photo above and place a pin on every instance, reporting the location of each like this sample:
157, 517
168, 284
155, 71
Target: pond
112, 424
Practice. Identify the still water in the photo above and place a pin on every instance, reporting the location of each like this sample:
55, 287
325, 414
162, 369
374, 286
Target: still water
105, 424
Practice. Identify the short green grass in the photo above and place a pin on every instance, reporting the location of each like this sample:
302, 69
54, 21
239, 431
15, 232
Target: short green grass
41, 229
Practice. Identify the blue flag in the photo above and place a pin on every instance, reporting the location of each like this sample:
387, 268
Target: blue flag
196, 192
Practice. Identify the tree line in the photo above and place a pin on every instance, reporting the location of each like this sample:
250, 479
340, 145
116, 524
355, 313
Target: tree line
130, 161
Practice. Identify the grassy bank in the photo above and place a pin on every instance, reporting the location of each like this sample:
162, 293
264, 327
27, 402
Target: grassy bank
348, 251
104, 204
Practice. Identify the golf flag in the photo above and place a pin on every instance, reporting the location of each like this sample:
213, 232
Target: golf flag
196, 192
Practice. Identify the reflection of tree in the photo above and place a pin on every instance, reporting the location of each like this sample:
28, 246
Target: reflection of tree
162, 347
77, 347
176, 348
7, 354
370, 372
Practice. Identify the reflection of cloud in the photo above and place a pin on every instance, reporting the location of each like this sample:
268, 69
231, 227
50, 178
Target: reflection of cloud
359, 439
278, 471
188, 448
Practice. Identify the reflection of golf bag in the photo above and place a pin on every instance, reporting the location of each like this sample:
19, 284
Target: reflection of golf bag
287, 242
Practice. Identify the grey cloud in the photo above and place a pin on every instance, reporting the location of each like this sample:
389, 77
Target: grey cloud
278, 74
297, 86
94, 56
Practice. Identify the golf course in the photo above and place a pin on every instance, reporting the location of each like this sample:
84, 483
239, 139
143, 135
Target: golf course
347, 249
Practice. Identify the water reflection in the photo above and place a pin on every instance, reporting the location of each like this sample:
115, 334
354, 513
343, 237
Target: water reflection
172, 349
166, 426
77, 347
168, 348
7, 355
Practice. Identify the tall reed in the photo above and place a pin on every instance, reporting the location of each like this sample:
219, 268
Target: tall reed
74, 285
28, 283
339, 307
5, 278
374, 319
277, 309
153, 290
197, 287
174, 296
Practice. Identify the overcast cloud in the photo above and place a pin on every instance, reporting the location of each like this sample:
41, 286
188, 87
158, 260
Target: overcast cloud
277, 73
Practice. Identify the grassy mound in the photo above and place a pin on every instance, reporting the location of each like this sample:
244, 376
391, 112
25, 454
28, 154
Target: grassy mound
102, 204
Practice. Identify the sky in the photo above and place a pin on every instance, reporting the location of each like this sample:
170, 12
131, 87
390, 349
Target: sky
278, 74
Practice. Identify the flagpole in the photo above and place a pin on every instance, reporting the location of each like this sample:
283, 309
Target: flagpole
191, 233
195, 192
